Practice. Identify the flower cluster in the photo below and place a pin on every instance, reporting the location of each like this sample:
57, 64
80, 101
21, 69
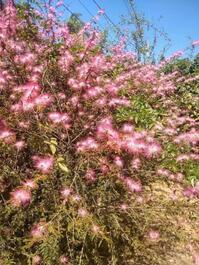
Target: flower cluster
70, 168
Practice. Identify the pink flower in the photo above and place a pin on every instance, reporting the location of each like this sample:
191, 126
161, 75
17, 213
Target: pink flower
39, 230
20, 145
20, 197
74, 100
61, 95
59, 3
191, 192
136, 163
95, 228
101, 12
140, 199
118, 162
101, 102
24, 124
153, 149
82, 212
104, 168
123, 206
88, 144
30, 183
57, 117
179, 177
43, 163
43, 100
6, 134
90, 175
195, 43
93, 92
128, 128
182, 157
119, 102
133, 186
76, 198
196, 254
154, 235
191, 137
163, 172
65, 61
112, 90
64, 259
36, 260
25, 59
65, 193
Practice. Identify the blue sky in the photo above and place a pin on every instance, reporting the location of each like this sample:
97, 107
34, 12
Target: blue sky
179, 18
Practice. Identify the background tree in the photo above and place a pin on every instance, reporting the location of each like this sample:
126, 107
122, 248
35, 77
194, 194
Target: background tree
75, 23
144, 35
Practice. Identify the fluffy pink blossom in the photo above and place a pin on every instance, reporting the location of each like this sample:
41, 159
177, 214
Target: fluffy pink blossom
104, 168
182, 157
95, 228
24, 124
74, 100
29, 90
195, 43
43, 100
132, 185
59, 3
66, 192
65, 61
154, 235
139, 199
153, 150
39, 230
118, 162
76, 198
90, 175
124, 207
93, 92
119, 102
82, 212
20, 197
195, 255
128, 128
101, 102
191, 137
30, 183
57, 117
187, 157
6, 134
43, 163
26, 59
36, 260
163, 172
178, 177
135, 163
20, 145
88, 144
191, 192
61, 95
64, 259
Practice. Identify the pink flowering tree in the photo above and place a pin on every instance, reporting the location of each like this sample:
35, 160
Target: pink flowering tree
83, 135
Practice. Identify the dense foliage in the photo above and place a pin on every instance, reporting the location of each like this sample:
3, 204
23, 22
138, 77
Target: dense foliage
84, 137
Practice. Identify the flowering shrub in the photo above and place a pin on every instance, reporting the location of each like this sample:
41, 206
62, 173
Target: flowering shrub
83, 135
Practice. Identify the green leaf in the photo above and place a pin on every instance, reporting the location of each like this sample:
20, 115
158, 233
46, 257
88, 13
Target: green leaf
53, 141
60, 159
63, 167
53, 148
